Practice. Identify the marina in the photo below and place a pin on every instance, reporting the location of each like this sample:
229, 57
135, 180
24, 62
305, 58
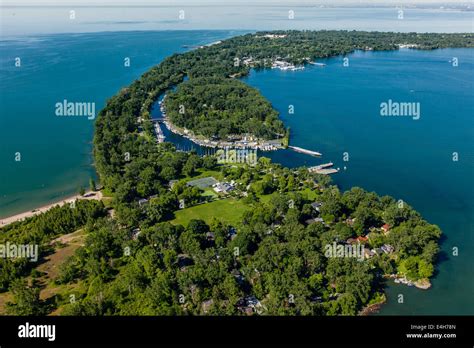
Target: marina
244, 142
282, 65
160, 137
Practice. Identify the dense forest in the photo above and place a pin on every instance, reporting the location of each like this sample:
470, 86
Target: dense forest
273, 265
272, 262
267, 253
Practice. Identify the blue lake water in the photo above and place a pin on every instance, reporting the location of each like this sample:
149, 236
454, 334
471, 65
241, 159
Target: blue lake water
337, 110
56, 151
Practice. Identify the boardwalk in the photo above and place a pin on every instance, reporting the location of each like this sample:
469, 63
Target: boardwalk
324, 169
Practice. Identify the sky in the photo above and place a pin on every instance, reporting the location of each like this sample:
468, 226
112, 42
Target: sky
17, 18
232, 2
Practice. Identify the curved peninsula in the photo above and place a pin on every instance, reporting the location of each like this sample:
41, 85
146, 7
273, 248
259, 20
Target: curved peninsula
222, 112
187, 235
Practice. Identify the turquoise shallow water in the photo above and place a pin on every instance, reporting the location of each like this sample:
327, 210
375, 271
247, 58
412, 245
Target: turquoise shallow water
56, 151
336, 111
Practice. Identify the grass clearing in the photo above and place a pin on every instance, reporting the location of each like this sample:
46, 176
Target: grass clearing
66, 246
4, 298
229, 210
209, 193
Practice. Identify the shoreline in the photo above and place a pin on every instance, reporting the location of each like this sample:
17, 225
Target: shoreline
373, 308
267, 145
423, 284
258, 144
89, 195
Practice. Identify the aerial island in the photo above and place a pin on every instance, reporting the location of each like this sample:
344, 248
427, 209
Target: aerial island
175, 233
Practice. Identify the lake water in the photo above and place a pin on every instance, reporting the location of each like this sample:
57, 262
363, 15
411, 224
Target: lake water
55, 152
336, 111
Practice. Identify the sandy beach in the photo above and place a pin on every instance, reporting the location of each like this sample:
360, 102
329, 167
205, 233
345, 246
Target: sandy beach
97, 195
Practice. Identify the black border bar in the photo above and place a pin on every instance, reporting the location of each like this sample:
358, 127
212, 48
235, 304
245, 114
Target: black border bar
207, 330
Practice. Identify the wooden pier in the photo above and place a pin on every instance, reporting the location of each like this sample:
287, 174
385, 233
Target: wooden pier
305, 151
317, 64
324, 169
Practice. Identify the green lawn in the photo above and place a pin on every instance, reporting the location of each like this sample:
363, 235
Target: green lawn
209, 193
229, 210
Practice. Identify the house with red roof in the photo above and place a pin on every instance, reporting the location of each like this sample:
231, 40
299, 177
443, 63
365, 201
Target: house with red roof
385, 228
362, 239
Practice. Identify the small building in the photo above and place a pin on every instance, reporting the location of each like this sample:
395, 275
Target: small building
368, 253
210, 236
314, 220
349, 222
223, 187
206, 305
385, 228
238, 276
351, 241
317, 299
135, 233
387, 248
232, 233
142, 201
362, 239
359, 239
250, 305
316, 206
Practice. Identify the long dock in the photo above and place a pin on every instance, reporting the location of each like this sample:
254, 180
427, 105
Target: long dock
317, 64
324, 169
305, 151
